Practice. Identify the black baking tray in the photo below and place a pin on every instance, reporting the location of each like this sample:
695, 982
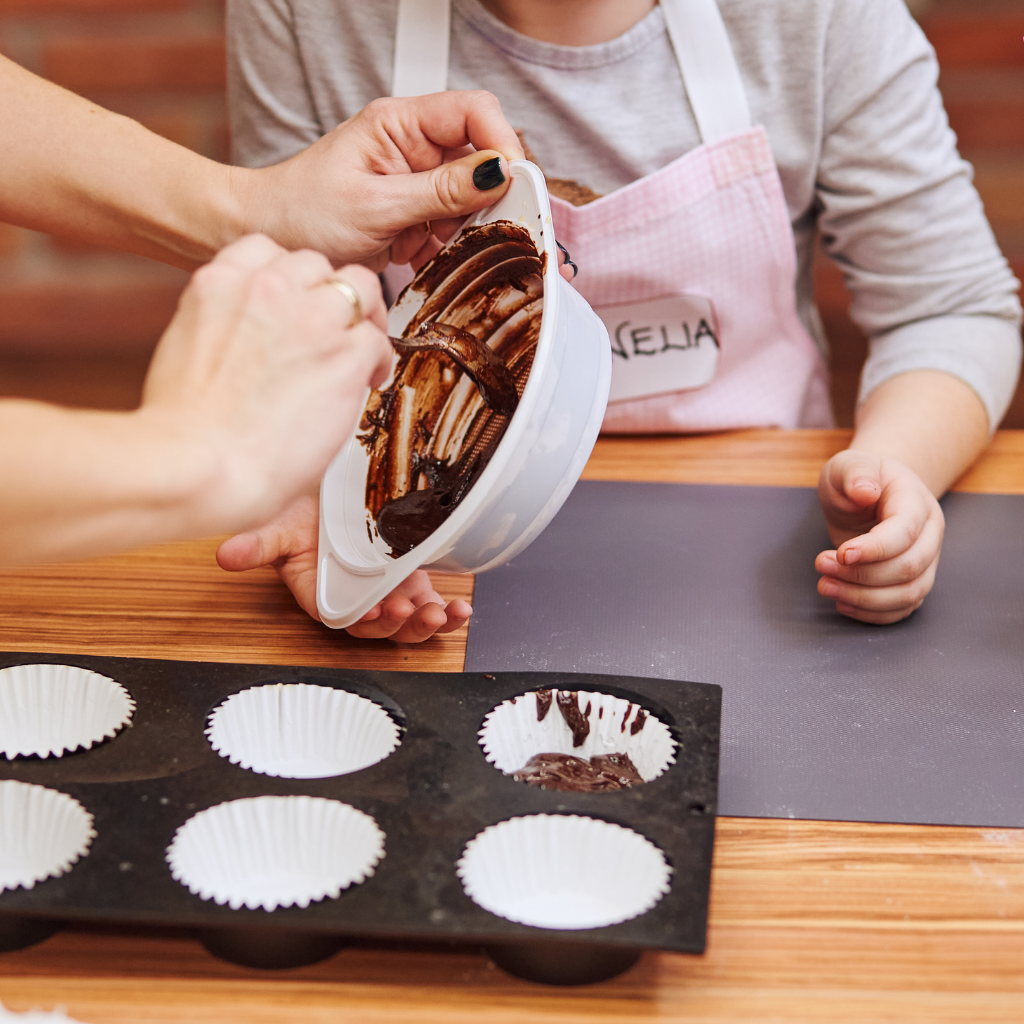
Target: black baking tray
430, 797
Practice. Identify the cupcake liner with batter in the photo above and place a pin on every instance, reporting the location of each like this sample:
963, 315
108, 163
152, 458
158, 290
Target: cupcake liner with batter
530, 724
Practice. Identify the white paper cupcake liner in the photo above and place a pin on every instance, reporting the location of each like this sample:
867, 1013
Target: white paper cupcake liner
512, 733
275, 851
42, 833
301, 731
563, 872
50, 709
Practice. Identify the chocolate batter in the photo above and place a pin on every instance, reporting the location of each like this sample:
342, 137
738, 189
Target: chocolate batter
431, 432
543, 704
579, 721
602, 773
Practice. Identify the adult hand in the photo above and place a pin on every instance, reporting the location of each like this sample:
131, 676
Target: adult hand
366, 191
411, 613
255, 385
362, 193
887, 527
262, 372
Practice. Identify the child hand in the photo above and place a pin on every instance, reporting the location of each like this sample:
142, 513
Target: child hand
411, 613
887, 528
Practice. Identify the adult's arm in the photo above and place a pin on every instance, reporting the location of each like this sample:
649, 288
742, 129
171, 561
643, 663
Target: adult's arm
72, 168
254, 387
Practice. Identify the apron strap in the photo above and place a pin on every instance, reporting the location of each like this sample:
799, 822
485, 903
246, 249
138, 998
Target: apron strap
421, 47
695, 28
708, 66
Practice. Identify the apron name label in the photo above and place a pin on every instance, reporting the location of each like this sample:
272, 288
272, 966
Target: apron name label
665, 345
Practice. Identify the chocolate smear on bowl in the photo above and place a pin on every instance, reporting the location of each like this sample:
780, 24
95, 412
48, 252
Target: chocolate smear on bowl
433, 430
475, 358
602, 773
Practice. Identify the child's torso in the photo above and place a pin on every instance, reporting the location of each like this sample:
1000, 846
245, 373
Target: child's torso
598, 116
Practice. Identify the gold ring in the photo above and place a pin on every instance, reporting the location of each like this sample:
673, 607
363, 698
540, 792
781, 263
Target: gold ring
351, 294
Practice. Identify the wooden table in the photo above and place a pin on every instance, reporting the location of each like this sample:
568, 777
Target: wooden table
810, 921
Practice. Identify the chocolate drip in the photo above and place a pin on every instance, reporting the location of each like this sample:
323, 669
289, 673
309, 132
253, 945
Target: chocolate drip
602, 773
475, 358
638, 722
543, 704
428, 437
568, 704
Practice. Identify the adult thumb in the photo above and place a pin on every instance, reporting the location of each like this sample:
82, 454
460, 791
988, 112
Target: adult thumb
451, 190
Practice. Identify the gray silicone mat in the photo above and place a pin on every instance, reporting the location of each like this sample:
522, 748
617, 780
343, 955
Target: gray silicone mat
822, 717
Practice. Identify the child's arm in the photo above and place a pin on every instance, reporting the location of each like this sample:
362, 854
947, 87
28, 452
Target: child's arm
898, 212
916, 433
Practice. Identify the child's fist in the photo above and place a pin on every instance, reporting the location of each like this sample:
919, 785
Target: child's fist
887, 528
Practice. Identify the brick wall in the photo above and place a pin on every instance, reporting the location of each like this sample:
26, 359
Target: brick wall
162, 63
72, 312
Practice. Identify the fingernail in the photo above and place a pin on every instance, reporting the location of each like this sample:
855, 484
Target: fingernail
851, 556
489, 175
568, 259
828, 589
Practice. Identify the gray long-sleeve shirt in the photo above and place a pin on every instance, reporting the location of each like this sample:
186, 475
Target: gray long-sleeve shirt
846, 90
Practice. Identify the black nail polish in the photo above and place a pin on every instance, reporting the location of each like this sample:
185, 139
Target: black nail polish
489, 175
568, 259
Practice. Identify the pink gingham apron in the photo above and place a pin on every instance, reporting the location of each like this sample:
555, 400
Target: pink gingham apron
710, 231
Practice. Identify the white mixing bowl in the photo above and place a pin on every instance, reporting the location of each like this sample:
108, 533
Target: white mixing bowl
533, 469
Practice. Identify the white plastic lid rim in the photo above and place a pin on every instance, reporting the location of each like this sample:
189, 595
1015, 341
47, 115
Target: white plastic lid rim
534, 468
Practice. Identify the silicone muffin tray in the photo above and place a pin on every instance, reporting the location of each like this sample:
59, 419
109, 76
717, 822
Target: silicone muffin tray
431, 796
